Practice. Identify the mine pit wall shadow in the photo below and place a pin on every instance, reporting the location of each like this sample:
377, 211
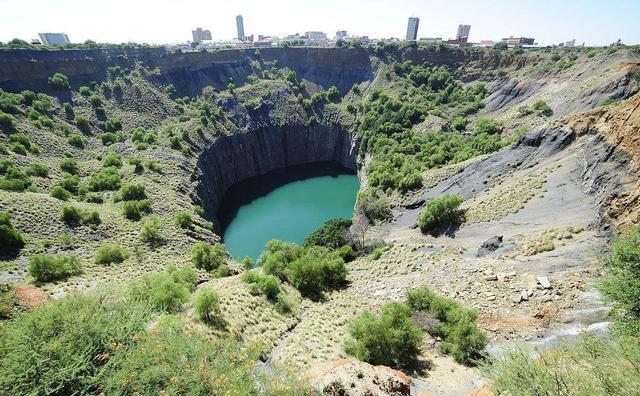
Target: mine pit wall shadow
231, 159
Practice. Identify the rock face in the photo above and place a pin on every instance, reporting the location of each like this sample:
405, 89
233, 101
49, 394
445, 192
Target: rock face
349, 377
231, 159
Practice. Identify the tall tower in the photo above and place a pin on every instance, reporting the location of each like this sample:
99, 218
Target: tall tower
412, 28
240, 26
463, 33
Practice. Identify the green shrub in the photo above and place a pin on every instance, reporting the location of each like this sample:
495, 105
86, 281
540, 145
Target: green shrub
542, 107
112, 125
440, 212
46, 268
69, 341
207, 256
71, 215
488, 126
82, 123
95, 100
84, 91
112, 159
70, 183
389, 339
134, 210
347, 253
207, 305
455, 325
132, 192
184, 220
151, 230
330, 235
199, 210
69, 165
137, 163
60, 193
248, 263
7, 122
38, 170
7, 300
108, 254
165, 291
333, 94
59, 82
10, 239
153, 166
104, 180
18, 148
76, 140
258, 283
91, 217
621, 281
108, 138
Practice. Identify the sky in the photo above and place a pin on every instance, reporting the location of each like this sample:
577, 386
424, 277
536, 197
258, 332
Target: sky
161, 21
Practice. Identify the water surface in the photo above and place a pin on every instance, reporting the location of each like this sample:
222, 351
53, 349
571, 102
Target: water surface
287, 204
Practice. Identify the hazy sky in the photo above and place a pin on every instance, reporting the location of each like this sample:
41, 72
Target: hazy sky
162, 21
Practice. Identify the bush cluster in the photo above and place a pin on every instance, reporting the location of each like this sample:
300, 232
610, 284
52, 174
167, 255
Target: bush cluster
454, 324
209, 257
13, 178
151, 230
389, 339
73, 216
440, 212
105, 180
46, 268
311, 270
59, 82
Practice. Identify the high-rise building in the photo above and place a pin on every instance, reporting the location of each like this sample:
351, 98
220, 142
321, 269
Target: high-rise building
341, 34
240, 26
463, 33
54, 38
200, 35
412, 28
316, 36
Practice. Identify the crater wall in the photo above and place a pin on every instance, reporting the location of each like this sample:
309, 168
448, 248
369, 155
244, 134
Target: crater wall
233, 158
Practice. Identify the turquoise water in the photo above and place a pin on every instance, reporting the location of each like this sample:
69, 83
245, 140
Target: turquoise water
289, 211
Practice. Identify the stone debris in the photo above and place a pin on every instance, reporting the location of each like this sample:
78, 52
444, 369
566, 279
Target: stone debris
544, 282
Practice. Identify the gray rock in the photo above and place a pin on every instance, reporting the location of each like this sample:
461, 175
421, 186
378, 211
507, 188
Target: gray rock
490, 245
544, 282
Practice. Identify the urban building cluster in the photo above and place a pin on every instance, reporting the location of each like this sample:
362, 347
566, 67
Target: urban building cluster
202, 38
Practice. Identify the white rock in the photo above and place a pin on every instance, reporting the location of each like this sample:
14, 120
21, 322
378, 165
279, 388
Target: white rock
544, 282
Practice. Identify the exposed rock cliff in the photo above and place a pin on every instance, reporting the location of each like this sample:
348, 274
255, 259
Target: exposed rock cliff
232, 158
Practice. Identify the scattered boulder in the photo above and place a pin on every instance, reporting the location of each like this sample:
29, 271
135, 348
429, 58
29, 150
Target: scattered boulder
350, 377
544, 282
490, 245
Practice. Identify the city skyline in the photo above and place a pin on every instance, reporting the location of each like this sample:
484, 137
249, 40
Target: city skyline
167, 22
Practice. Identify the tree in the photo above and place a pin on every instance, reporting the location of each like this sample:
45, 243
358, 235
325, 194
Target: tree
207, 305
330, 235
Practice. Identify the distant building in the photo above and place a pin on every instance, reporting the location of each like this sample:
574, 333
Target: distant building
35, 42
431, 39
412, 28
316, 36
54, 38
341, 34
570, 43
240, 26
200, 35
486, 43
518, 40
462, 36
